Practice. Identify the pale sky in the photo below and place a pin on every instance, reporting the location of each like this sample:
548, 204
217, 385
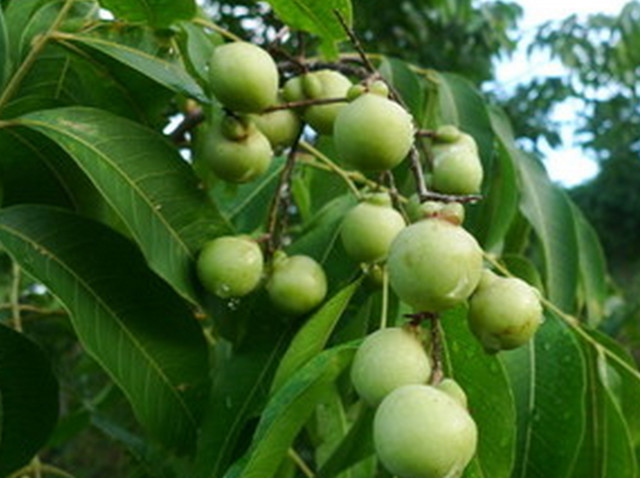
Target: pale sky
569, 165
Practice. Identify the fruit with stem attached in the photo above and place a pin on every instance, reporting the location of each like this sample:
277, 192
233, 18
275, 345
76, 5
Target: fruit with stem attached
387, 359
230, 266
420, 431
369, 228
504, 313
434, 265
243, 77
457, 168
297, 284
373, 133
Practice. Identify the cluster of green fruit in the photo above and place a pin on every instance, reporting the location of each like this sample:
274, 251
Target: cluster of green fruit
421, 430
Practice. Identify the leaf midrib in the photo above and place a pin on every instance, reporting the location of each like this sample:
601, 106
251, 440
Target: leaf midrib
43, 250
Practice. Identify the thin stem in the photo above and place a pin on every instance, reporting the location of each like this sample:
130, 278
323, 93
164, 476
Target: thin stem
385, 297
14, 297
333, 167
355, 42
216, 28
303, 103
191, 120
437, 372
38, 46
274, 226
425, 133
571, 321
297, 459
418, 174
45, 468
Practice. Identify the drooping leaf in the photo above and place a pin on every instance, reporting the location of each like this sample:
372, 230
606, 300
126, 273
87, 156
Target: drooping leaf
197, 47
607, 449
241, 381
547, 208
288, 410
491, 402
127, 318
313, 336
28, 400
157, 13
146, 182
543, 407
592, 267
169, 74
17, 15
315, 16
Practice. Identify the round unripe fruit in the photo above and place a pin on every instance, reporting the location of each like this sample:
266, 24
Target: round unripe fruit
230, 266
236, 161
293, 90
281, 127
243, 77
386, 360
297, 284
434, 265
380, 88
457, 168
369, 228
422, 432
504, 313
373, 133
447, 134
328, 84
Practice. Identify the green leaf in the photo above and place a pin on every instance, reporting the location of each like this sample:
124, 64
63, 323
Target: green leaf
315, 16
356, 446
17, 15
491, 402
288, 410
168, 74
313, 336
593, 269
5, 61
607, 450
127, 318
548, 378
146, 182
158, 13
406, 82
242, 375
547, 208
522, 267
28, 400
462, 105
197, 47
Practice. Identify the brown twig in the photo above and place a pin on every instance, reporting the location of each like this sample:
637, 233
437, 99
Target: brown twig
395, 195
303, 103
191, 120
425, 133
355, 42
437, 371
276, 221
418, 174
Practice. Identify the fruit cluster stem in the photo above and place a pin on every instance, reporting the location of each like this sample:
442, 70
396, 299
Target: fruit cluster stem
303, 103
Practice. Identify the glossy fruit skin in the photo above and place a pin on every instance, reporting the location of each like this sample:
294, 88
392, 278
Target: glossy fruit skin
434, 265
454, 390
327, 84
369, 228
504, 313
373, 133
230, 266
387, 359
243, 77
281, 127
238, 161
297, 284
457, 168
422, 432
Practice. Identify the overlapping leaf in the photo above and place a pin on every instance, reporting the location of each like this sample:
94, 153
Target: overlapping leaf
28, 400
146, 182
158, 13
127, 318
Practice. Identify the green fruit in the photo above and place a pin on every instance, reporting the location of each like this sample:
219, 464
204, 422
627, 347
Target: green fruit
281, 127
451, 388
379, 88
355, 91
422, 432
331, 84
293, 89
447, 134
243, 77
386, 360
230, 266
297, 284
504, 313
457, 168
373, 133
370, 227
236, 161
434, 265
